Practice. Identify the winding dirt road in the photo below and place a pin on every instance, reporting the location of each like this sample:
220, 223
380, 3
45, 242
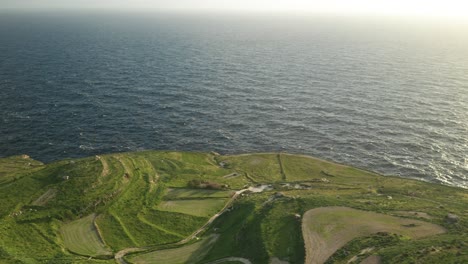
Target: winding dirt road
119, 256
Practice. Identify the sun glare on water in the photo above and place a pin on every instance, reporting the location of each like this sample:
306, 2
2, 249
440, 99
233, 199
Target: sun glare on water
432, 8
447, 8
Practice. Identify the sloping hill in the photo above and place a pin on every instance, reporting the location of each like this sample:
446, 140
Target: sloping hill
326, 229
82, 237
143, 203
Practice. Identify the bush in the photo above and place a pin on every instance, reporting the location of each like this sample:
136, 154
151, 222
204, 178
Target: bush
198, 184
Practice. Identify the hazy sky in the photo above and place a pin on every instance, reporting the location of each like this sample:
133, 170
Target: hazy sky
453, 8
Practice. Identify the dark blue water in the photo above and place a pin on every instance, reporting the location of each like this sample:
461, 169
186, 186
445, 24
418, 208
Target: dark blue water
387, 95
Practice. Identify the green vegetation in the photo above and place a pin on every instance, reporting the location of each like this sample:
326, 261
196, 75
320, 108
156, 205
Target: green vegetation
114, 233
257, 168
360, 248
12, 168
178, 224
186, 254
178, 168
281, 231
180, 193
203, 207
81, 237
115, 204
327, 229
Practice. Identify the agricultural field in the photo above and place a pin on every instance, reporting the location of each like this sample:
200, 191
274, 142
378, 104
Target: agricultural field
260, 168
176, 169
192, 253
181, 225
114, 234
183, 207
12, 168
305, 168
327, 229
81, 237
202, 207
182, 193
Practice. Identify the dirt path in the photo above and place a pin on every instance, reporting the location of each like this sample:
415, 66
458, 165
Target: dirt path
142, 219
243, 260
127, 170
120, 255
45, 198
228, 204
97, 230
211, 220
105, 166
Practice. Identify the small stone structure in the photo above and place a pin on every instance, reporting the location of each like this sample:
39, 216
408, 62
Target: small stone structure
452, 218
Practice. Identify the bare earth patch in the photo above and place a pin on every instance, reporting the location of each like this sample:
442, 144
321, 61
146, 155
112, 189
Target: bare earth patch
327, 229
105, 166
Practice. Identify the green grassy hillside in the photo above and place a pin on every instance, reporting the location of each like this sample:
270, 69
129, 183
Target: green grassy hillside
181, 207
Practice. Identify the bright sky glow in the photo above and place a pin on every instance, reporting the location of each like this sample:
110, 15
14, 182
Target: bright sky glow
446, 8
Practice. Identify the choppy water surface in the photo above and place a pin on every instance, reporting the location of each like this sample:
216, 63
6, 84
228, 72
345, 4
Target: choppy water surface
385, 95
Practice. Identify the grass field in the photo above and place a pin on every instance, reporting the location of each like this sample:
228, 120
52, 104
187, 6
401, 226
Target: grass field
122, 226
201, 207
181, 193
259, 167
16, 166
114, 234
303, 168
175, 223
327, 229
81, 237
187, 254
142, 199
177, 168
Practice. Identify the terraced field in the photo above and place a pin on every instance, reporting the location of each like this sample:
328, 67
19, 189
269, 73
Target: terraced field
123, 214
147, 208
15, 166
327, 229
114, 232
183, 193
186, 254
46, 197
202, 208
261, 168
181, 225
81, 237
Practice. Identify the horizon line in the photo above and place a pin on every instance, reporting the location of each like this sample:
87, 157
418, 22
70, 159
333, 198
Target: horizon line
240, 11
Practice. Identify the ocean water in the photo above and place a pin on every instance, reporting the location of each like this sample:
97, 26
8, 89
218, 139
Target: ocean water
388, 95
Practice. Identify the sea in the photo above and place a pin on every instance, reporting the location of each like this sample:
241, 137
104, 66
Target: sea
384, 94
